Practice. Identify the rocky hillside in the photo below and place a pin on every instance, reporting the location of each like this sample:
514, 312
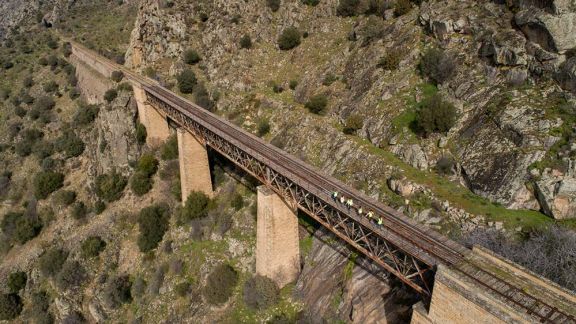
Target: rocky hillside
460, 114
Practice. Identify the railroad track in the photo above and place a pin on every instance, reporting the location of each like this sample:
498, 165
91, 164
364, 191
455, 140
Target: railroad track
440, 249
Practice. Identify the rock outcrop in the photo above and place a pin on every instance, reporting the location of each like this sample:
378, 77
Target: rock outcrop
557, 195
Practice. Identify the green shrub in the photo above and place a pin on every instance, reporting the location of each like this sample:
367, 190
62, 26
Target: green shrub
23, 148
191, 57
8, 65
402, 7
170, 149
92, 247
445, 165
26, 229
74, 93
140, 183
9, 221
237, 201
391, 60
138, 288
263, 127
293, 84
438, 65
50, 87
329, 79
44, 103
153, 223
435, 115
110, 95
182, 289
10, 306
99, 207
347, 8
277, 88
353, 124
53, 44
17, 281
65, 197
141, 134
260, 293
202, 97
39, 303
72, 275
109, 187
117, 76
46, 182
220, 284
148, 164
124, 86
274, 5
70, 144
79, 210
317, 104
289, 38
117, 291
86, 114
27, 98
186, 81
20, 112
312, 3
28, 81
52, 261
196, 206
246, 41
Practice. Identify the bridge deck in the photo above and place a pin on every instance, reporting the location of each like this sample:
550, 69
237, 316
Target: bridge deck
413, 239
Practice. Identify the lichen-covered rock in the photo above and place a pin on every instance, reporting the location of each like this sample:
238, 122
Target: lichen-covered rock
557, 196
413, 155
506, 47
567, 75
555, 33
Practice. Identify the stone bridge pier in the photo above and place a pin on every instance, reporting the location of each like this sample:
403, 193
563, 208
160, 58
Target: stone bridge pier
156, 124
194, 165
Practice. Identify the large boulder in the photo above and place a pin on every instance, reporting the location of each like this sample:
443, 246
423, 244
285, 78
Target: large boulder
555, 33
557, 196
506, 47
566, 76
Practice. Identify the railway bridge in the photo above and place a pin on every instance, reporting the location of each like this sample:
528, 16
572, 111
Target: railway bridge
456, 284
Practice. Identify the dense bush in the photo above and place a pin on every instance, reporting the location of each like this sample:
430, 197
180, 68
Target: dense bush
141, 133
51, 43
28, 81
274, 5
124, 86
153, 223
110, 95
402, 7
435, 115
65, 197
289, 38
196, 206
109, 187
445, 165
391, 60
202, 97
70, 144
182, 289
117, 76
39, 304
147, 164
237, 201
44, 103
26, 229
79, 210
293, 84
92, 246
117, 291
191, 57
43, 149
260, 292
140, 183
99, 207
169, 150
317, 104
86, 114
246, 41
438, 65
17, 281
263, 127
10, 306
347, 8
186, 81
353, 124
46, 182
220, 284
50, 87
72, 275
51, 262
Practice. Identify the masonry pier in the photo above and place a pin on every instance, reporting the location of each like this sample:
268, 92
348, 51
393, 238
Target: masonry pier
194, 165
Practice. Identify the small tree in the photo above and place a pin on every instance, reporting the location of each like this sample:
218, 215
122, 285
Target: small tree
110, 95
86, 114
293, 84
141, 134
263, 127
289, 38
153, 223
202, 97
17, 281
170, 149
92, 246
246, 41
353, 124
117, 291
186, 81
51, 261
148, 164
70, 144
347, 8
435, 115
260, 292
10, 306
27, 229
46, 182
79, 210
191, 57
109, 187
72, 275
140, 183
274, 5
391, 60
65, 197
317, 104
437, 65
51, 87
402, 7
117, 76
196, 206
220, 284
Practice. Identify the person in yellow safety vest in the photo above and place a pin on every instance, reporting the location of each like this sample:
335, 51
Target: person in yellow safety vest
360, 211
380, 221
335, 195
342, 199
349, 203
370, 214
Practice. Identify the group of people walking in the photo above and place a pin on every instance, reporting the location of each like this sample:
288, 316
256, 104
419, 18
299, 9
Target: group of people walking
349, 203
